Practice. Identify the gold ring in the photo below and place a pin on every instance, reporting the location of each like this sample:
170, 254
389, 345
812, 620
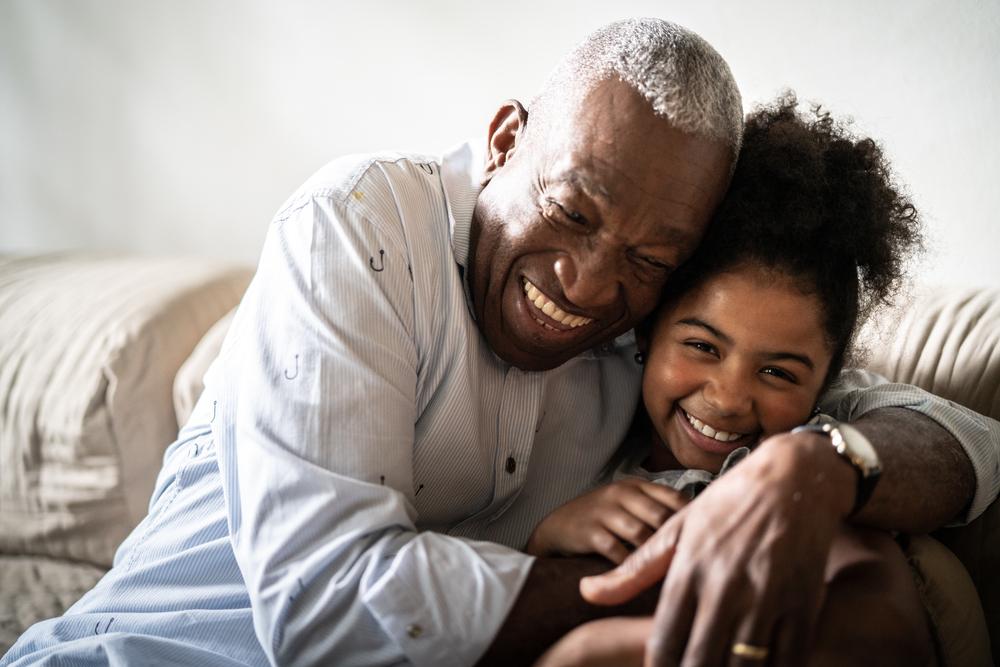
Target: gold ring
749, 651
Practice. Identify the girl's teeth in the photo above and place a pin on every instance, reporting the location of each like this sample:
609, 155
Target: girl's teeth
705, 429
543, 304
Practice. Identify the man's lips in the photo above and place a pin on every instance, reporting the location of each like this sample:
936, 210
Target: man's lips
720, 442
545, 311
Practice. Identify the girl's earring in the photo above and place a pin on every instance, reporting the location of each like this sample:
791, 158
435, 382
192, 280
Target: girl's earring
640, 358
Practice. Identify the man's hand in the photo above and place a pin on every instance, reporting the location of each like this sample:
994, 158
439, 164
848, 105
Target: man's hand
744, 562
600, 521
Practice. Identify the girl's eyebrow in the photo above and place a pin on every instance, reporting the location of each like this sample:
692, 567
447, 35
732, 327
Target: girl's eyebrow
696, 322
801, 358
769, 356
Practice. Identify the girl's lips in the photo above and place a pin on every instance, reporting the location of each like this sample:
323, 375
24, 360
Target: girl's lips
710, 445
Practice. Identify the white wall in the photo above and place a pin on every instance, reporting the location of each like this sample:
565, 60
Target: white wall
180, 127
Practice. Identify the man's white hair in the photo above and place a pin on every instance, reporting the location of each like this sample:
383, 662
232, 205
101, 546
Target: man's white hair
682, 77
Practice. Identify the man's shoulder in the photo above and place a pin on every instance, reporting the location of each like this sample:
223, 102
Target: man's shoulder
351, 179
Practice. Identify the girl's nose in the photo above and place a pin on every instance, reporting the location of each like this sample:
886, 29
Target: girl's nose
728, 394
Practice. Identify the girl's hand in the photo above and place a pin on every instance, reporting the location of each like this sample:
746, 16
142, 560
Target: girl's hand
599, 522
609, 642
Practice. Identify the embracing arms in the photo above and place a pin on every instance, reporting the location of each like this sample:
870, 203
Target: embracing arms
745, 561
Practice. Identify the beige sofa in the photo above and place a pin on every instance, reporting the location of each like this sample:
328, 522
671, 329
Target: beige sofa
102, 356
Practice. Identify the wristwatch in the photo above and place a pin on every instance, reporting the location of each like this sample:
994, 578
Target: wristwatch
855, 448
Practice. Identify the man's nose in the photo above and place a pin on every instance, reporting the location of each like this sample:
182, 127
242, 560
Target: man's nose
589, 279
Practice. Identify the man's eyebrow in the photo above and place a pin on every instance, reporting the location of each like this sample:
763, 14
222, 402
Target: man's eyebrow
588, 185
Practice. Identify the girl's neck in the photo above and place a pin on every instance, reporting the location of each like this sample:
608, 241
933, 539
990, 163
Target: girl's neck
660, 457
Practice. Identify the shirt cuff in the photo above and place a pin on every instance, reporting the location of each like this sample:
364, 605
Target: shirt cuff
443, 599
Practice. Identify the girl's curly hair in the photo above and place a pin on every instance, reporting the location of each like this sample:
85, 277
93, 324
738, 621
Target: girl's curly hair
818, 204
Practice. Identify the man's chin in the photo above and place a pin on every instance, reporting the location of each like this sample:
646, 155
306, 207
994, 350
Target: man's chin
534, 362
532, 358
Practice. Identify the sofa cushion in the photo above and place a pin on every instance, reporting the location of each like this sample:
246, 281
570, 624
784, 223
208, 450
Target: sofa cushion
944, 340
33, 588
89, 347
952, 605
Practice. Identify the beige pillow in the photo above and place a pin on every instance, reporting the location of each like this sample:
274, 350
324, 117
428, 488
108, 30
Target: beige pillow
89, 347
951, 602
189, 382
945, 340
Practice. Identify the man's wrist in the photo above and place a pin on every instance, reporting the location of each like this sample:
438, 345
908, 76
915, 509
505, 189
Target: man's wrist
855, 449
811, 469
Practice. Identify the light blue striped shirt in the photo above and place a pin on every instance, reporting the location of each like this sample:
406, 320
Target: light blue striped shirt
356, 480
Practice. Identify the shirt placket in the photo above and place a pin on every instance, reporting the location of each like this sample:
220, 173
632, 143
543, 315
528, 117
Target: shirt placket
516, 418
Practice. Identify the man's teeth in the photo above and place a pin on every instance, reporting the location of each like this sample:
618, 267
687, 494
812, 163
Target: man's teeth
705, 429
544, 304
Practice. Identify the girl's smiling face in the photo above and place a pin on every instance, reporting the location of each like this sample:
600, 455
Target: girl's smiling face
741, 356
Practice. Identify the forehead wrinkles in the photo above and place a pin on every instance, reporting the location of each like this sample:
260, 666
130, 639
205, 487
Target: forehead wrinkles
641, 216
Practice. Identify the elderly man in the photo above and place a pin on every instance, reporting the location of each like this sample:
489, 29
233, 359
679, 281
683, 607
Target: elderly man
432, 356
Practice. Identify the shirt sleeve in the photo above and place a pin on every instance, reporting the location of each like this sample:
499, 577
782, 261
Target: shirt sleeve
316, 389
858, 392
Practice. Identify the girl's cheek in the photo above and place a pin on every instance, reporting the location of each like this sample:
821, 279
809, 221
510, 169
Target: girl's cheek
784, 415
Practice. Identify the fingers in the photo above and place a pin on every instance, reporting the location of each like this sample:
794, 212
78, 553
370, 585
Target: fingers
644, 567
666, 496
672, 623
651, 503
627, 527
793, 637
753, 644
608, 545
609, 642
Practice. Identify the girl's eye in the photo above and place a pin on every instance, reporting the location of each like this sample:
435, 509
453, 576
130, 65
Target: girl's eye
780, 373
702, 346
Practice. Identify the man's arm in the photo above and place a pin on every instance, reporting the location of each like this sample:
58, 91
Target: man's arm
550, 605
922, 449
927, 478
316, 391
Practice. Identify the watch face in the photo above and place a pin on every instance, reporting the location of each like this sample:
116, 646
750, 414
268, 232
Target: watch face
861, 452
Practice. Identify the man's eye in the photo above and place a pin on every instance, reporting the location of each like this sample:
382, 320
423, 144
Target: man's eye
780, 373
570, 215
651, 262
656, 264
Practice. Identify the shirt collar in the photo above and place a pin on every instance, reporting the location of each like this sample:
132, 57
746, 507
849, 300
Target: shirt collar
461, 173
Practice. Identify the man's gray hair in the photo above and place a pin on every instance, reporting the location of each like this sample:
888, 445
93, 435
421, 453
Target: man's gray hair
682, 77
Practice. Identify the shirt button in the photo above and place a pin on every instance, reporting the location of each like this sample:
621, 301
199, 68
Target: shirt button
511, 465
414, 630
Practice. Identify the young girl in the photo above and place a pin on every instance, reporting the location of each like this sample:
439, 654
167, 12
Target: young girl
811, 236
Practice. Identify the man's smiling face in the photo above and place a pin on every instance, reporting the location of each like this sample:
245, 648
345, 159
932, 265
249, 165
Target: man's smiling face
582, 220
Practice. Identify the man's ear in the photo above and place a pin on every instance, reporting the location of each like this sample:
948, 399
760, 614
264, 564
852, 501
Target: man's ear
505, 131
